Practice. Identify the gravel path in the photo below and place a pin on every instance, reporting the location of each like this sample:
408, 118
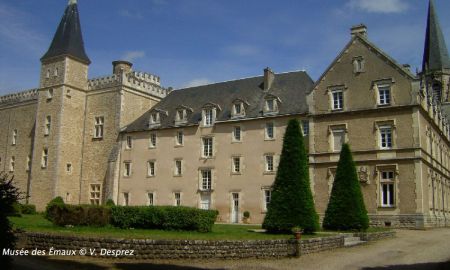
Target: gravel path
421, 250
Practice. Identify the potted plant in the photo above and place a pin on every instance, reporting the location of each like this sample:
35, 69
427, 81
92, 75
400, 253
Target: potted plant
297, 231
246, 218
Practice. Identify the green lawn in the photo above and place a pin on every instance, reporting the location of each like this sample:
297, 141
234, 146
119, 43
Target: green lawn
37, 223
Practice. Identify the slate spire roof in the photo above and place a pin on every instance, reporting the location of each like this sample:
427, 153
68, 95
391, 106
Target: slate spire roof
68, 39
435, 55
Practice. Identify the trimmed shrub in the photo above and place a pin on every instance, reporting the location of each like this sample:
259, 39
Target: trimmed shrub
292, 203
15, 210
28, 209
163, 217
80, 215
346, 209
49, 210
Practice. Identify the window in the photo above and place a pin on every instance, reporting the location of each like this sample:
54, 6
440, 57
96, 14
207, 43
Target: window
150, 198
95, 194
206, 179
181, 115
48, 124
179, 138
14, 137
150, 168
270, 134
269, 163
126, 198
129, 143
236, 166
69, 167
152, 141
267, 198
99, 124
270, 105
338, 99
437, 92
49, 93
385, 137
154, 118
358, 64
127, 168
178, 167
12, 164
237, 134
44, 162
384, 95
387, 189
55, 73
237, 108
208, 117
207, 147
305, 127
338, 139
28, 166
177, 196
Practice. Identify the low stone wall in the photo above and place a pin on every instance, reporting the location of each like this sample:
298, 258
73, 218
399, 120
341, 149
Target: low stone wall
374, 236
185, 249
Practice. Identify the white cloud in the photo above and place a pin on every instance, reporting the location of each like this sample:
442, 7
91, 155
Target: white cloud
133, 55
197, 82
379, 6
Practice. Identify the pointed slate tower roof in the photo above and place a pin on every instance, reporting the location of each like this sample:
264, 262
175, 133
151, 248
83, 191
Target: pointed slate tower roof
435, 55
68, 39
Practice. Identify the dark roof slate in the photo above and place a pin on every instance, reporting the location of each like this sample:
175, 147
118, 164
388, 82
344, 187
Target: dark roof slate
291, 88
435, 55
68, 39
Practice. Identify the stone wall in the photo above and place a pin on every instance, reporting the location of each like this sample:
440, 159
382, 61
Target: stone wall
190, 249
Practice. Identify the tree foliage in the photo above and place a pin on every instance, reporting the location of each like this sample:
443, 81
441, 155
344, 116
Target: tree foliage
292, 202
346, 209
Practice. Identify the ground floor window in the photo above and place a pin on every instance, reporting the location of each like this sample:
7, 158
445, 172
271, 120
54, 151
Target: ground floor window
387, 189
95, 194
177, 196
150, 198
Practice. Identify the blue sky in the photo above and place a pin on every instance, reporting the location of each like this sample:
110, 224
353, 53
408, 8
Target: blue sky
191, 42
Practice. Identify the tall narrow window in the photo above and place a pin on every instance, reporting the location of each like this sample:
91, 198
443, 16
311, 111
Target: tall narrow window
178, 167
267, 198
207, 147
236, 165
69, 167
177, 196
270, 105
44, 162
48, 124
385, 137
99, 124
237, 134
384, 94
206, 180
270, 133
152, 141
338, 99
28, 166
126, 198
180, 138
305, 127
14, 137
95, 194
181, 115
150, 168
129, 142
12, 164
208, 117
238, 108
127, 168
269, 163
151, 199
49, 93
387, 189
338, 139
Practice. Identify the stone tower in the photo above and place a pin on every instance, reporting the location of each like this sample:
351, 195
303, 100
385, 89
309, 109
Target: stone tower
436, 63
57, 151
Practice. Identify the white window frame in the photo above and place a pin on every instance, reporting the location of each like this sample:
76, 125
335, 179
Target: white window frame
387, 179
206, 179
155, 118
151, 168
44, 160
179, 138
153, 140
208, 117
178, 167
386, 139
99, 122
269, 163
127, 168
95, 194
150, 198
177, 198
207, 147
384, 94
267, 197
237, 134
181, 115
236, 165
337, 99
269, 135
48, 125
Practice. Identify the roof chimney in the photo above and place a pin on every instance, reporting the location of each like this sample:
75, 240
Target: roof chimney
359, 29
121, 66
269, 76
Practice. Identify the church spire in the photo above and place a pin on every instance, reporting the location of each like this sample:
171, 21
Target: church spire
435, 55
68, 39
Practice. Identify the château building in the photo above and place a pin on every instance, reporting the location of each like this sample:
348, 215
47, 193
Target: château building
127, 138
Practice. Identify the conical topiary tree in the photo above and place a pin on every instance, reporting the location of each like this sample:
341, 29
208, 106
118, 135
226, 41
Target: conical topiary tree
292, 203
346, 209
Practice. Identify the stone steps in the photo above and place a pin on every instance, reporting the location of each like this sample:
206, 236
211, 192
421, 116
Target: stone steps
351, 241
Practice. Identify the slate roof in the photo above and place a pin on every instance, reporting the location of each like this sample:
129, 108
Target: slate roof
435, 55
291, 88
68, 39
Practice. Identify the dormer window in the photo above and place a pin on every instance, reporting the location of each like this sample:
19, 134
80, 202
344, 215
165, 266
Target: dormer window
238, 108
209, 114
154, 119
181, 115
271, 104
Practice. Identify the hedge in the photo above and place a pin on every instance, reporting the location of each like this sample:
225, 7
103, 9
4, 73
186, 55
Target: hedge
163, 217
49, 209
80, 215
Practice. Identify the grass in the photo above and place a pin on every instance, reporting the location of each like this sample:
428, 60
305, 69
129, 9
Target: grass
37, 223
